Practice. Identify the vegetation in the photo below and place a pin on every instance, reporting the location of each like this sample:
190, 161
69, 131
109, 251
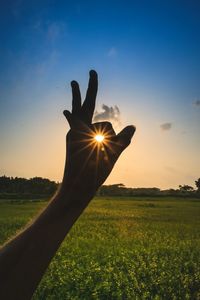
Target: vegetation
121, 190
197, 183
37, 187
12, 188
186, 188
121, 248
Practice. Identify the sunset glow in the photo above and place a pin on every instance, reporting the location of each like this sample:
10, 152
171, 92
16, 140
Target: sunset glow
147, 59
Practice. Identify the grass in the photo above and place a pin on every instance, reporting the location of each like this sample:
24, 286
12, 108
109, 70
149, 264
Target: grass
121, 248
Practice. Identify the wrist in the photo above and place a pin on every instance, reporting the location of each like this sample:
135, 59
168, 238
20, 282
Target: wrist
73, 195
77, 186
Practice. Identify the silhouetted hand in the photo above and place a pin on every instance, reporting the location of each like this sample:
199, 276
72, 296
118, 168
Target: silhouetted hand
89, 162
24, 259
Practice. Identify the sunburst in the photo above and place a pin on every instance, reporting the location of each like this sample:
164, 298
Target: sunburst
99, 138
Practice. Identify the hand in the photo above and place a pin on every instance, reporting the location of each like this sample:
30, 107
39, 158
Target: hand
88, 162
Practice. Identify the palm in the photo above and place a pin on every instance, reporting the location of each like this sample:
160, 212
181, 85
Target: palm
88, 162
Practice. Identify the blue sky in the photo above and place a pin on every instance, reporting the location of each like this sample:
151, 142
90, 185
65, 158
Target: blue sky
147, 57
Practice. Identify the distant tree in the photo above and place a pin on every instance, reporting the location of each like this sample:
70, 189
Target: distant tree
121, 190
186, 188
170, 192
33, 186
197, 183
112, 190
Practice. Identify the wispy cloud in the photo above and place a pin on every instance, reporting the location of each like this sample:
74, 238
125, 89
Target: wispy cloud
166, 126
170, 169
112, 52
197, 103
111, 113
51, 31
55, 30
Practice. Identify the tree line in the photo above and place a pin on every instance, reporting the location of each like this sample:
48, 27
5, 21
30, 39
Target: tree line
122, 190
38, 187
16, 187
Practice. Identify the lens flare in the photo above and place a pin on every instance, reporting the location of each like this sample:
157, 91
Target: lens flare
99, 138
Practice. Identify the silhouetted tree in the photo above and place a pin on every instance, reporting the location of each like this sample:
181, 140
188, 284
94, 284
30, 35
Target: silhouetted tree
197, 183
186, 188
23, 186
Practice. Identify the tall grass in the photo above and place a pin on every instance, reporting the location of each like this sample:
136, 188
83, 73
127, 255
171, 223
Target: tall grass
142, 248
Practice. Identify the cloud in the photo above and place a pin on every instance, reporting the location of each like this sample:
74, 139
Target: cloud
55, 30
166, 126
196, 103
112, 52
170, 169
111, 113
52, 31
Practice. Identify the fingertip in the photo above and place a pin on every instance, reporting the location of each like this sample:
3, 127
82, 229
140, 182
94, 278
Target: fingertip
93, 73
66, 113
125, 136
74, 83
131, 130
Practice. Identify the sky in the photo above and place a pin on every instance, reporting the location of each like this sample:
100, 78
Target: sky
147, 55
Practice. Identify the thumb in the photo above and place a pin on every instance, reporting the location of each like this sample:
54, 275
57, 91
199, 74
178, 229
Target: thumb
124, 137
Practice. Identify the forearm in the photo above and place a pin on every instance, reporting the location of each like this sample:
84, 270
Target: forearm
24, 260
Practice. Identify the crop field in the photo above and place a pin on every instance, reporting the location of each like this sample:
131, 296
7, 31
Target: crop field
121, 248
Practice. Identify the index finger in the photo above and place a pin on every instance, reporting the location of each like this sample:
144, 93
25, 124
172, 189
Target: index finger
90, 99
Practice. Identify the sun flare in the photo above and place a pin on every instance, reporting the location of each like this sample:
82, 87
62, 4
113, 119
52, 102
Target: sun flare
99, 138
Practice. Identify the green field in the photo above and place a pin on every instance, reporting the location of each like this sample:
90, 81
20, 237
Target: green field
121, 248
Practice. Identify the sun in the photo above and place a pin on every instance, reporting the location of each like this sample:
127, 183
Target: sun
99, 138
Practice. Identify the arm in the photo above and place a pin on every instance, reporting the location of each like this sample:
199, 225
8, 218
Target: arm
24, 259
